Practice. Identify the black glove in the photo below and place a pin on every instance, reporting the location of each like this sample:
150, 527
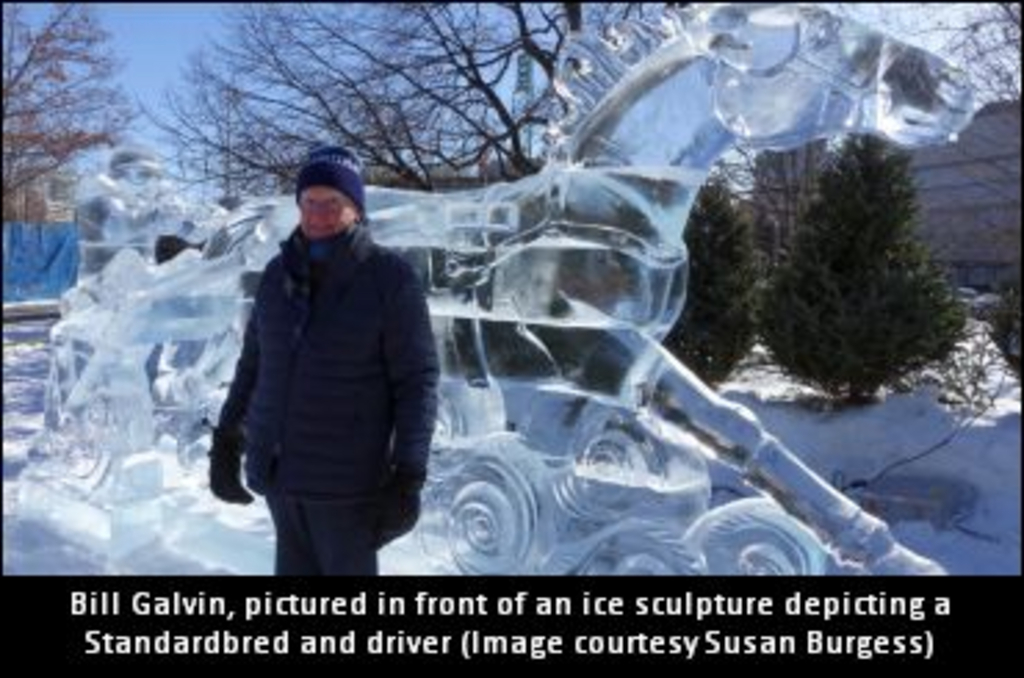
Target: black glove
226, 468
399, 506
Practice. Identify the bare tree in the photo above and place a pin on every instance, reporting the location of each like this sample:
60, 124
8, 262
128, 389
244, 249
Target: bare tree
422, 91
58, 99
784, 183
989, 43
416, 90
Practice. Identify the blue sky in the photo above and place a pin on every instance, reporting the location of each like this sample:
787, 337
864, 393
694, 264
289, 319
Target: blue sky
154, 43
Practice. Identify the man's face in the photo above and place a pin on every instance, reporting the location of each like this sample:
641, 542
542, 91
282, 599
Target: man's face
325, 211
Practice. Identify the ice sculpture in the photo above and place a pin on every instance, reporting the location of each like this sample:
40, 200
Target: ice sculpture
130, 206
569, 440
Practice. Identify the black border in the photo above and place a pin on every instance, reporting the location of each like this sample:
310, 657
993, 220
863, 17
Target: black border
41, 629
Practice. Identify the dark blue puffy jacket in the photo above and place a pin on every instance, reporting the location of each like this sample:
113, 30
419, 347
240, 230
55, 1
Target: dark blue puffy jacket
336, 389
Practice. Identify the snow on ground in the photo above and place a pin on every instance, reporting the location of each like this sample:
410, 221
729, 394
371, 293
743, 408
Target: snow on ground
26, 364
958, 504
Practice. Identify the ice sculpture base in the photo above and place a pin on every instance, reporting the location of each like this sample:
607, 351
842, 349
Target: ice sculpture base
224, 548
110, 530
139, 536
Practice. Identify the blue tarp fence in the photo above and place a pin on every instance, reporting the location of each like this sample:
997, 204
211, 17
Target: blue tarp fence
40, 260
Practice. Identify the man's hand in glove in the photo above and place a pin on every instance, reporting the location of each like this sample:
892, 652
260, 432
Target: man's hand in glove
226, 468
399, 506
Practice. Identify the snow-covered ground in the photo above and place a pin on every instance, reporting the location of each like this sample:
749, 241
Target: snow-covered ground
948, 479
958, 504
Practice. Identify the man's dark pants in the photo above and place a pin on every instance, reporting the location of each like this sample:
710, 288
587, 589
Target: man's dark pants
323, 536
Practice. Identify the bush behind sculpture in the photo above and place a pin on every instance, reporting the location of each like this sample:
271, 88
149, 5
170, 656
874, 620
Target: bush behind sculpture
858, 304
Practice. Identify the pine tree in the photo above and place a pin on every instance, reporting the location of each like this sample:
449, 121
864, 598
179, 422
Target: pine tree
859, 304
716, 329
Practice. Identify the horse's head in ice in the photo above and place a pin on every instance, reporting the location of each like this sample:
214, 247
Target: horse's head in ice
709, 77
824, 75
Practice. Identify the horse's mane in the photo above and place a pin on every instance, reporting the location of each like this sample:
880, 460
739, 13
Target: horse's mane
594, 65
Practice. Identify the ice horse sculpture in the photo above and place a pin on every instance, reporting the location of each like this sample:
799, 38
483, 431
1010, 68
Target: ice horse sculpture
569, 440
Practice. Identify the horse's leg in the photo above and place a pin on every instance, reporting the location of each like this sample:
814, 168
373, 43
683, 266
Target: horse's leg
678, 397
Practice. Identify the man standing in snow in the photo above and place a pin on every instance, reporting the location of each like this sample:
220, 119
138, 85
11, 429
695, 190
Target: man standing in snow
334, 395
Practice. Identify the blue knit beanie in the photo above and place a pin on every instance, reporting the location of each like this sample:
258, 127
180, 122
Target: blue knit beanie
336, 167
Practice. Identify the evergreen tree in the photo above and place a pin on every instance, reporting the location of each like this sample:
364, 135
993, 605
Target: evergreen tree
859, 304
717, 326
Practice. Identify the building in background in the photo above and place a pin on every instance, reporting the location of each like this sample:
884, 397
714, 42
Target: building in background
48, 199
969, 195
